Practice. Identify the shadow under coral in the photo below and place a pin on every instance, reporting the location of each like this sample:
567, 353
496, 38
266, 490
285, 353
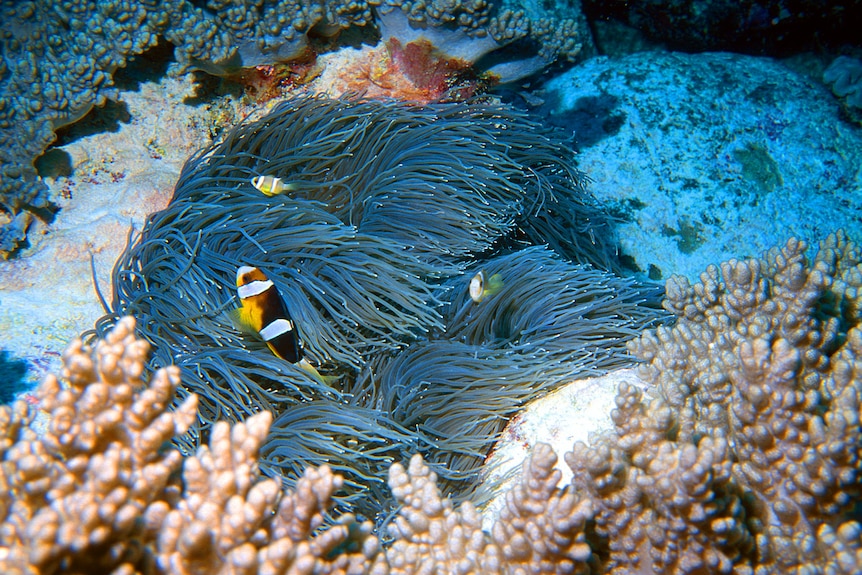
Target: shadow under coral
392, 209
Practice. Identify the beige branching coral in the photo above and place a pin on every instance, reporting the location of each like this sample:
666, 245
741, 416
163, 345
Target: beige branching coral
429, 533
72, 497
661, 506
747, 460
540, 531
230, 521
99, 492
541, 528
744, 460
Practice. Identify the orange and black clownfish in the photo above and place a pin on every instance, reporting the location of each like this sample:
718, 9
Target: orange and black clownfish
262, 312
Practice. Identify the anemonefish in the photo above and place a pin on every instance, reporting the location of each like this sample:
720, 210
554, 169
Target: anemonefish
271, 185
480, 289
262, 311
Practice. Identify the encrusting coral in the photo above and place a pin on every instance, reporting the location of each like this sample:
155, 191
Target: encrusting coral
844, 75
57, 60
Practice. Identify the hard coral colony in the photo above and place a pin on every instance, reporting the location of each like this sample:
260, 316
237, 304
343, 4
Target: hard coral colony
747, 458
745, 461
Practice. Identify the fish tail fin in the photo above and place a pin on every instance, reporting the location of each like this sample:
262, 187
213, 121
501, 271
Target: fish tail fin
494, 284
324, 379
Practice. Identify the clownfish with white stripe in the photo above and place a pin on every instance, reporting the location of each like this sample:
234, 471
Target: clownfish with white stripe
262, 312
271, 185
480, 288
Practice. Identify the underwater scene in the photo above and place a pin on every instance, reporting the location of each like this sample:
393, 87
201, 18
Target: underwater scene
448, 287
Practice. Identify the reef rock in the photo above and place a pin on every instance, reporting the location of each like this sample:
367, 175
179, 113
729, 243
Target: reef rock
709, 156
575, 412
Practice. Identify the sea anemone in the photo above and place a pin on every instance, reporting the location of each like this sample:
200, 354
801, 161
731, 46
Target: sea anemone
389, 209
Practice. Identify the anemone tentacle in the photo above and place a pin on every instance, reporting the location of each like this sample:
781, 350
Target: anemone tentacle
390, 207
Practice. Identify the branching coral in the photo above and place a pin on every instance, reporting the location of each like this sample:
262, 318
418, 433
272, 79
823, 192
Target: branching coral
759, 477
97, 491
541, 529
389, 206
747, 459
84, 484
659, 505
231, 520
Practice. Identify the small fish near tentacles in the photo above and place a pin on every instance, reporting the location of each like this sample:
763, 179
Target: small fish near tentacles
262, 312
271, 185
480, 288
